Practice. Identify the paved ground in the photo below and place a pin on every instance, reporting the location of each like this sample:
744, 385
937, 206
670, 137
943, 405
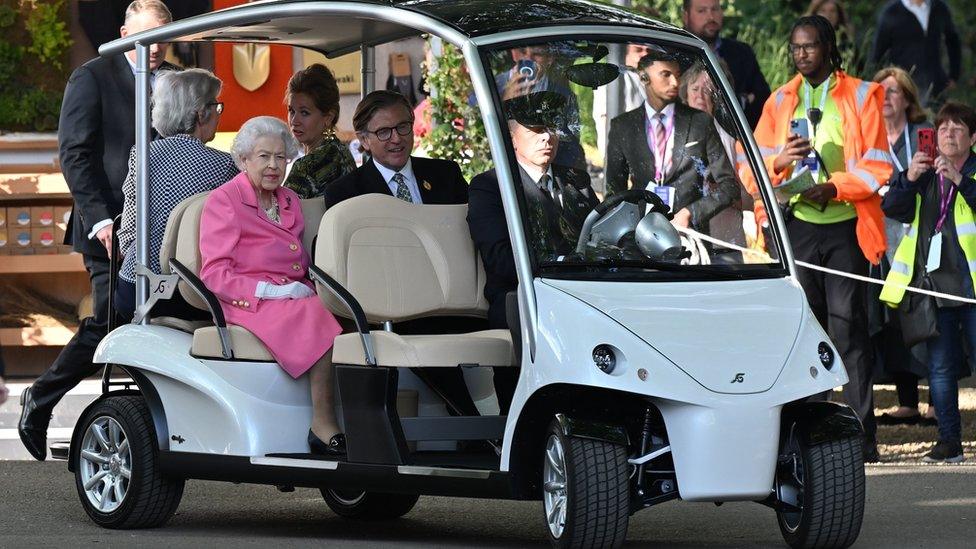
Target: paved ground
931, 506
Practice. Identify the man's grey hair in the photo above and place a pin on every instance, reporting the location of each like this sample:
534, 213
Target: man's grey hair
156, 7
179, 96
256, 128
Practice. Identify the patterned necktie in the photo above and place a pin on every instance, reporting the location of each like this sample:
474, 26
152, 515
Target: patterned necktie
660, 138
402, 191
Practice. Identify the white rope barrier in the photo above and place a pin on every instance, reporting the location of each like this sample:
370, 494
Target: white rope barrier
764, 256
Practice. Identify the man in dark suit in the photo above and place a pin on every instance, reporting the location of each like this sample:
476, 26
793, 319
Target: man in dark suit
704, 19
664, 144
384, 123
95, 135
557, 200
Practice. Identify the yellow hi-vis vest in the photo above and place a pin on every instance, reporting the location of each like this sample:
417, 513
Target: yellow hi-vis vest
904, 263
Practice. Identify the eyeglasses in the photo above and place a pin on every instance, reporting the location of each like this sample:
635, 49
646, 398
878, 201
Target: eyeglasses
808, 49
385, 134
218, 106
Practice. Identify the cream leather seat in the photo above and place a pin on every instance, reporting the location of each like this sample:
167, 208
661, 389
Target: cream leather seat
403, 261
181, 241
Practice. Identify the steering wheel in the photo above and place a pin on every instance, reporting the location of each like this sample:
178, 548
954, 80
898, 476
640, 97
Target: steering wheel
633, 196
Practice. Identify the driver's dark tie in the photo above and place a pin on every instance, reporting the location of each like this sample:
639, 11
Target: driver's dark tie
553, 194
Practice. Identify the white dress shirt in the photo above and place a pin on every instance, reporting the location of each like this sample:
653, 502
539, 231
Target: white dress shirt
921, 12
408, 176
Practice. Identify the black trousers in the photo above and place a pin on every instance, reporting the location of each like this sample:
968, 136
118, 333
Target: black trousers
75, 361
840, 304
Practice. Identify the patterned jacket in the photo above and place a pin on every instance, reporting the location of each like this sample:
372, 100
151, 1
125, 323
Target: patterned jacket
180, 166
312, 172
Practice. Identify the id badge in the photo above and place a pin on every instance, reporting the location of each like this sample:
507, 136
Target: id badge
811, 163
666, 193
934, 260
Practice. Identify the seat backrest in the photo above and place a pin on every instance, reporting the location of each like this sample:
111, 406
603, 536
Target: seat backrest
182, 241
401, 260
312, 211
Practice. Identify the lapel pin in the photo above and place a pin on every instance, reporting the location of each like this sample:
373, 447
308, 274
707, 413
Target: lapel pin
426, 186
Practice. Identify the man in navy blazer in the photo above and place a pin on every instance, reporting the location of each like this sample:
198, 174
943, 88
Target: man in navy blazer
384, 123
95, 135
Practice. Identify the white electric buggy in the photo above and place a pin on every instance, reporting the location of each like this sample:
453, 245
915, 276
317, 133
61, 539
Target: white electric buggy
645, 375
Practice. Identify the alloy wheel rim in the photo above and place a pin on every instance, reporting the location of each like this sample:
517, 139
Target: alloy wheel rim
789, 484
105, 463
348, 497
555, 497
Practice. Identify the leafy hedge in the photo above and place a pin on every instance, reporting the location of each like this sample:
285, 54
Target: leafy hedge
34, 43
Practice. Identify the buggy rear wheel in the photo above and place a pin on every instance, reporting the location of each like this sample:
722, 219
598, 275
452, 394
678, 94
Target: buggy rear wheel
116, 467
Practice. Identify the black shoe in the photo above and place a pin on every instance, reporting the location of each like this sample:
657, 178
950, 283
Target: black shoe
31, 434
336, 446
889, 419
871, 454
945, 451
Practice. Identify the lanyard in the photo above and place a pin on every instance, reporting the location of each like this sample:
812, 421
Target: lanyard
807, 100
661, 165
944, 200
908, 149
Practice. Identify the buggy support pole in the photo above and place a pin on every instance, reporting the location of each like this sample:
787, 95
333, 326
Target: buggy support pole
369, 69
142, 170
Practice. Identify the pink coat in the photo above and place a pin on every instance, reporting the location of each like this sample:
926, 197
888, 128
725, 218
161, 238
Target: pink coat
239, 247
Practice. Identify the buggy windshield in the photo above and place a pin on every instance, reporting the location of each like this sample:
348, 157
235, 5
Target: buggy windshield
629, 162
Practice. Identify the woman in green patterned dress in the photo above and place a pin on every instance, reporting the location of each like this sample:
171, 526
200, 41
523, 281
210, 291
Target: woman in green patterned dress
313, 110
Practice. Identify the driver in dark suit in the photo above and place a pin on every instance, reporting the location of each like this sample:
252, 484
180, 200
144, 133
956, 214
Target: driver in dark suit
557, 200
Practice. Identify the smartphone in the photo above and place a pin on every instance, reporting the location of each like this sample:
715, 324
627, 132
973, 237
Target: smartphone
926, 142
800, 126
527, 68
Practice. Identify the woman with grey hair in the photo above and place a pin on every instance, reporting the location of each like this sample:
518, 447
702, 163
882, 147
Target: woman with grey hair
253, 260
185, 112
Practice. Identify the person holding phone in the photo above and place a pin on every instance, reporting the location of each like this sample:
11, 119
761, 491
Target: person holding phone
905, 122
937, 195
837, 223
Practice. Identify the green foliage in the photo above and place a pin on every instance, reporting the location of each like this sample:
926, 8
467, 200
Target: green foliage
458, 133
34, 43
584, 96
49, 32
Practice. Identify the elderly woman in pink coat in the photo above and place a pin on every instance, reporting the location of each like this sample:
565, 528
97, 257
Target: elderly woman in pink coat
254, 262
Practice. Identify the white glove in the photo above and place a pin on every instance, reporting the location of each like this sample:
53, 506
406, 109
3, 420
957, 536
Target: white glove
292, 290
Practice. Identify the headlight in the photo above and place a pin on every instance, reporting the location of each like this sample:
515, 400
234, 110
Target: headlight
604, 358
826, 355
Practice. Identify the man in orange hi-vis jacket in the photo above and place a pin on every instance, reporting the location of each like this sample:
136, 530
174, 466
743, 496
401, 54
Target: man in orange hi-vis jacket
829, 123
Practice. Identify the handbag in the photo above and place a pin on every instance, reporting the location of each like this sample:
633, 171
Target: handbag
918, 314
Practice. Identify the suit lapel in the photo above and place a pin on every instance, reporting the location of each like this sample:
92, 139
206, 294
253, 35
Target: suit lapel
644, 155
372, 180
682, 129
420, 172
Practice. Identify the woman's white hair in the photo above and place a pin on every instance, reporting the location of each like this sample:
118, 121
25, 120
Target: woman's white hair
179, 96
256, 128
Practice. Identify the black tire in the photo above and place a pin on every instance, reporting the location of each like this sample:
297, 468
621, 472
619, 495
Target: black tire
597, 492
149, 499
832, 498
359, 505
